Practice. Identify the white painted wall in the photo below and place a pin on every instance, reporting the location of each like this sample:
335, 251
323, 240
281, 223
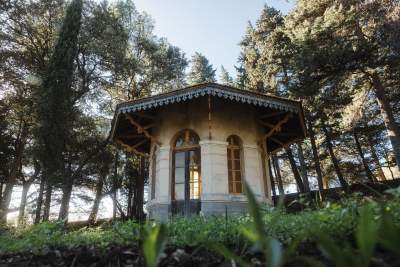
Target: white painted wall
227, 118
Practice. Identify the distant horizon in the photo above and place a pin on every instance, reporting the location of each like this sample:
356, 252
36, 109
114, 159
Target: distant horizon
212, 28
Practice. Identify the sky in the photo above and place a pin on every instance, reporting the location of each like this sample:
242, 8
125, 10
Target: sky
211, 27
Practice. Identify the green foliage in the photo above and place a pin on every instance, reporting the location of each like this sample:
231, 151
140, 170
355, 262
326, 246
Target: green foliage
201, 70
154, 242
55, 100
198, 230
225, 77
347, 233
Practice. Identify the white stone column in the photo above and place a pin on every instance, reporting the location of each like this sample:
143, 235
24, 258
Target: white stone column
214, 170
253, 172
163, 173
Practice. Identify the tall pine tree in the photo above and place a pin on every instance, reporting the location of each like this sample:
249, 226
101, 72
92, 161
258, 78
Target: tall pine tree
225, 78
56, 105
201, 70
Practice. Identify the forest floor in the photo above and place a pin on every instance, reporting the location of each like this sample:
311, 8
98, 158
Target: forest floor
356, 231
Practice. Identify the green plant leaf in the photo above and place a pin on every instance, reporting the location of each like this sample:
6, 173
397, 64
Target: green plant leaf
255, 213
332, 251
366, 233
389, 234
274, 253
249, 233
154, 243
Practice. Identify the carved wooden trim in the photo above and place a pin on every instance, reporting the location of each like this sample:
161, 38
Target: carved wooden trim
141, 129
224, 92
131, 149
278, 126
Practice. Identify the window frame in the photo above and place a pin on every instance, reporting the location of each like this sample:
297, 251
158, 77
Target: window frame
186, 147
231, 158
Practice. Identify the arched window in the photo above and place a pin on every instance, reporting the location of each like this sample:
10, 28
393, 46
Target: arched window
235, 165
186, 166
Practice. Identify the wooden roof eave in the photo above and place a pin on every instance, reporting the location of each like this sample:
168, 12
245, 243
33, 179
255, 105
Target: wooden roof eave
222, 91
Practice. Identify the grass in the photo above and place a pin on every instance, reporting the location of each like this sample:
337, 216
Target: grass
357, 231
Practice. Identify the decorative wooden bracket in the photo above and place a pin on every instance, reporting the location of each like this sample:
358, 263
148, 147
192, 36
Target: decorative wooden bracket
142, 129
132, 149
277, 127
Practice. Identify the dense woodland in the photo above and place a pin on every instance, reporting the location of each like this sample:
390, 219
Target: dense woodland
64, 65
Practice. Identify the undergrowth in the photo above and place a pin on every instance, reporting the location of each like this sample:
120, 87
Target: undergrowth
346, 233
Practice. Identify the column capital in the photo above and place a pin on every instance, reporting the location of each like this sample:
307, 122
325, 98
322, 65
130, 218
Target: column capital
213, 142
164, 148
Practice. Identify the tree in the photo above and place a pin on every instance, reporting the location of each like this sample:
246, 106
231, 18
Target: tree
26, 43
247, 59
201, 70
6, 154
225, 78
347, 40
56, 102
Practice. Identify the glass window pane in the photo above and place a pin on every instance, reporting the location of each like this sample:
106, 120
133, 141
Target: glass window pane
194, 158
238, 176
194, 168
180, 159
179, 175
179, 141
238, 187
179, 191
236, 153
230, 141
236, 164
193, 140
229, 164
230, 175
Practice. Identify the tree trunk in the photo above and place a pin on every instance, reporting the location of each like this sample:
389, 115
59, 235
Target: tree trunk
328, 140
114, 185
14, 172
388, 162
140, 190
368, 171
130, 213
387, 115
39, 201
325, 180
97, 200
303, 167
317, 162
375, 158
1, 191
271, 178
66, 197
278, 176
6, 202
297, 177
47, 202
22, 205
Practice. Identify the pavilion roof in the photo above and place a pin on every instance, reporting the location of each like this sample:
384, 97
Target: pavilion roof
286, 111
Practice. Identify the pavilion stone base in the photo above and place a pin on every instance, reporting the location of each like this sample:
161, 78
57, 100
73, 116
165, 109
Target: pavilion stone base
209, 208
162, 212
159, 212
